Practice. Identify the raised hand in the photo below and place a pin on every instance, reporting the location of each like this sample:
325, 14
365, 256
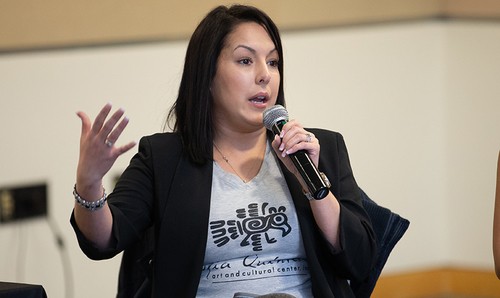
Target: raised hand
98, 151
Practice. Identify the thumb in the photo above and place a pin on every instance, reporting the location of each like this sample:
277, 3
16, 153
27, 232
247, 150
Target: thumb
85, 122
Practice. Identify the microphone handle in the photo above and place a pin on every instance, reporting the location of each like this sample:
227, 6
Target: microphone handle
306, 168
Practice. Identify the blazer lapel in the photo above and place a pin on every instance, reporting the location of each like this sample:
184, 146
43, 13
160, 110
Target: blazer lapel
185, 221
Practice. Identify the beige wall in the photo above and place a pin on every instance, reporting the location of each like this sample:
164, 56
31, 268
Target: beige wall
31, 24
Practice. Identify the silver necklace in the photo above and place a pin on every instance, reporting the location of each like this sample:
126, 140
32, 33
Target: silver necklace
228, 163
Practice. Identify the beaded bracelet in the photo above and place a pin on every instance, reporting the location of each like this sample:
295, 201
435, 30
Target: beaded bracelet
92, 206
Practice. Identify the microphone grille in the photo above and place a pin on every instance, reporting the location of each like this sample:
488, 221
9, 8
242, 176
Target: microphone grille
274, 114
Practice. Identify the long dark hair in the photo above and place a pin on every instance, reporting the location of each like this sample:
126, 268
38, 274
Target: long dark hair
192, 112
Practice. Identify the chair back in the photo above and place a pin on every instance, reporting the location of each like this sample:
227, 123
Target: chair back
389, 227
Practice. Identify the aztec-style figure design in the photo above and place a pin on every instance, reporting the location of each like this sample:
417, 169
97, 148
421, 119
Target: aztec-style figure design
252, 224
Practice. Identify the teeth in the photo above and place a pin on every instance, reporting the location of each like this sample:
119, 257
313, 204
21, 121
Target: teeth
259, 98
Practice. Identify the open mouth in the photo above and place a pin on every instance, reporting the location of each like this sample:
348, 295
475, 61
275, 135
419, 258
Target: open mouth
259, 99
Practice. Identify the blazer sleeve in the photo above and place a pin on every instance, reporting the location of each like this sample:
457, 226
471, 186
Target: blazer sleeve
356, 254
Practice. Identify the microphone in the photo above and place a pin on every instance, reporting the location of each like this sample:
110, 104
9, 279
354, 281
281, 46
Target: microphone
274, 118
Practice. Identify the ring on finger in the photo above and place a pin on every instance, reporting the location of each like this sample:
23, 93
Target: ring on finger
308, 137
108, 143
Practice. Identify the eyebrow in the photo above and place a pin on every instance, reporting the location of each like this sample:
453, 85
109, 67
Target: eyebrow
252, 49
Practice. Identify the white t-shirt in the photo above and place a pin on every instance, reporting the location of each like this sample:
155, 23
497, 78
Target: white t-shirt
254, 242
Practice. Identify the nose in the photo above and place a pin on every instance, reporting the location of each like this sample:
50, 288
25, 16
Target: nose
263, 74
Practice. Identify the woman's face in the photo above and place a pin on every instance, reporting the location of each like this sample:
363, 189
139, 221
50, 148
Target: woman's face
247, 78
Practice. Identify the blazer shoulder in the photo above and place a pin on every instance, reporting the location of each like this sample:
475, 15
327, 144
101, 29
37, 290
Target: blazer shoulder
162, 137
160, 148
166, 141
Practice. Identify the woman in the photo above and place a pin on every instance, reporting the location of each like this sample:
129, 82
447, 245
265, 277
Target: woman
226, 204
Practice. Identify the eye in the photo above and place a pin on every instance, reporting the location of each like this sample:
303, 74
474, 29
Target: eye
274, 63
245, 61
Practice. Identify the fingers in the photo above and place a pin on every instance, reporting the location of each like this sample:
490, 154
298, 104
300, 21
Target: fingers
100, 118
294, 138
126, 148
309, 137
109, 125
105, 131
110, 134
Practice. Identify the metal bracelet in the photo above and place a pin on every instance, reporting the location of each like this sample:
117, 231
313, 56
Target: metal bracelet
92, 206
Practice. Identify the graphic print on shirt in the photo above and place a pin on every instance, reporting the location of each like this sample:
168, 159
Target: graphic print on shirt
254, 242
253, 226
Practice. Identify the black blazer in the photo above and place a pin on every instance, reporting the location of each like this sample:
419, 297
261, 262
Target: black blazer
163, 189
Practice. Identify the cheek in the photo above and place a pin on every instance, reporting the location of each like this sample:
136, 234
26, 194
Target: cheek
225, 89
219, 85
235, 82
